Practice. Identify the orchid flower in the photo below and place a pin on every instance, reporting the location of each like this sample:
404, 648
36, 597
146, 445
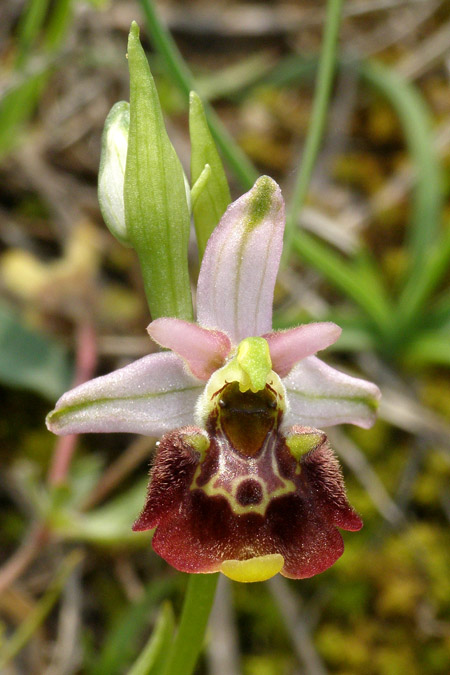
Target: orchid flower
243, 480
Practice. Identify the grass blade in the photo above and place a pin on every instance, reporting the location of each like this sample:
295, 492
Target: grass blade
152, 658
343, 276
319, 111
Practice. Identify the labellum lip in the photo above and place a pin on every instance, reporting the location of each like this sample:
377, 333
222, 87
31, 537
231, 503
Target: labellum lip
248, 517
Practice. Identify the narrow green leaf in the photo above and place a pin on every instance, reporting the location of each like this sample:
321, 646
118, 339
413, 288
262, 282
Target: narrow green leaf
229, 81
420, 286
431, 348
367, 269
31, 360
16, 107
438, 315
107, 525
427, 200
30, 77
292, 68
121, 641
415, 119
154, 655
156, 210
29, 26
210, 205
58, 24
344, 276
200, 183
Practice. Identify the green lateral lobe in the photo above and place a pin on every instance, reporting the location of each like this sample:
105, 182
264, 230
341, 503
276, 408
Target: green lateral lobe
210, 204
156, 209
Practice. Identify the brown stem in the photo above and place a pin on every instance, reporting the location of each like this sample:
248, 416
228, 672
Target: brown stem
86, 359
25, 554
139, 449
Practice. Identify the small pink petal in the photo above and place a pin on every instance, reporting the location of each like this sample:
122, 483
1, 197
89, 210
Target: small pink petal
204, 350
150, 396
240, 265
321, 396
290, 346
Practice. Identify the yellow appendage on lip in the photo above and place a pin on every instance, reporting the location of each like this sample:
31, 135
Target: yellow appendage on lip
260, 568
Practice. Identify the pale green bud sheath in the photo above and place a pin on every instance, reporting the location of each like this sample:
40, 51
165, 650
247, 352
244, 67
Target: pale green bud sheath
210, 203
112, 170
156, 209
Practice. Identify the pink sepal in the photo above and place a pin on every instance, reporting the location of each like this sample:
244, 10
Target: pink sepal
149, 397
321, 396
240, 265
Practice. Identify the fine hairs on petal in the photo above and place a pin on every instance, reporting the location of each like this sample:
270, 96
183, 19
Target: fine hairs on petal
149, 397
204, 523
324, 474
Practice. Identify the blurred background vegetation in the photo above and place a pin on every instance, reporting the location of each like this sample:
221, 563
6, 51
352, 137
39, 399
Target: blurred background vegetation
80, 593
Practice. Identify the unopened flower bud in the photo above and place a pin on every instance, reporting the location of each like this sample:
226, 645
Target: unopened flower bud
112, 170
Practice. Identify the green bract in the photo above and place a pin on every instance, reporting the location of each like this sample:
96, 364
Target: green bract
210, 203
156, 209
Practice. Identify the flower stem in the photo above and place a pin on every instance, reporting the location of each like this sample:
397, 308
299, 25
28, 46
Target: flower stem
318, 117
197, 606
